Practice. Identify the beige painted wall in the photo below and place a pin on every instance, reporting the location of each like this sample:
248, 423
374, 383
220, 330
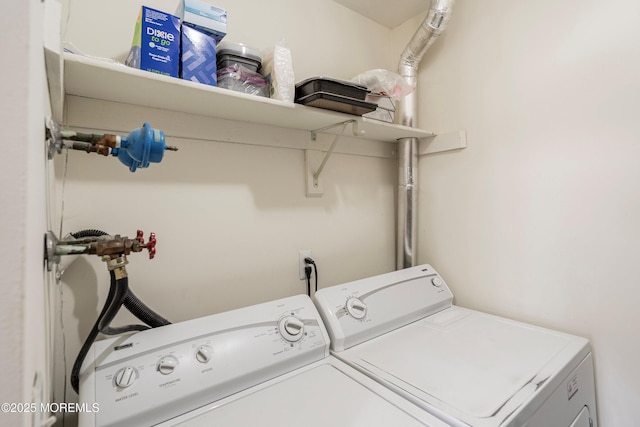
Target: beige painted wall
230, 217
24, 344
13, 109
537, 219
325, 38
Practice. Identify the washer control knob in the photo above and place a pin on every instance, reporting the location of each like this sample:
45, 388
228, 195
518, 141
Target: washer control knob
167, 365
437, 282
126, 376
291, 328
204, 353
356, 308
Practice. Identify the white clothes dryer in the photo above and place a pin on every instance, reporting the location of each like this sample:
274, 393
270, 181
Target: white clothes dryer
265, 365
466, 367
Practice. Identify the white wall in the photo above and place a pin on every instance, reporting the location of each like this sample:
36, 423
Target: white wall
230, 218
535, 220
13, 87
325, 38
24, 351
538, 218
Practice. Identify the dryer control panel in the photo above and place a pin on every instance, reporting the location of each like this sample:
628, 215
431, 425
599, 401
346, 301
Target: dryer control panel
157, 374
358, 311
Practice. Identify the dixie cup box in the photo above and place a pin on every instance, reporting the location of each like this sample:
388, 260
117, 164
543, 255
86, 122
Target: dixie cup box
198, 56
156, 43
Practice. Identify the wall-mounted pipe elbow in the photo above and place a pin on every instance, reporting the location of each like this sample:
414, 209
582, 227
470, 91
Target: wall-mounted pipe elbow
433, 25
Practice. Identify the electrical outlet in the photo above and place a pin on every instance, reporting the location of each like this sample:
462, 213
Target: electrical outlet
302, 254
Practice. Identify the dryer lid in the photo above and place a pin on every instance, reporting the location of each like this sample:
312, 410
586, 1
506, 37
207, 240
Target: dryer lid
472, 364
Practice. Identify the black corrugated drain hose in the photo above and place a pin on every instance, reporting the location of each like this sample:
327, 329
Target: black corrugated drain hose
119, 295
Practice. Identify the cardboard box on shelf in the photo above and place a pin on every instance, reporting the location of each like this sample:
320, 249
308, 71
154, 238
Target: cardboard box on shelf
156, 42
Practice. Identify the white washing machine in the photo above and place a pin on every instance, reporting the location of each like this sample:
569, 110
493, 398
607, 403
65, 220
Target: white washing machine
264, 365
466, 367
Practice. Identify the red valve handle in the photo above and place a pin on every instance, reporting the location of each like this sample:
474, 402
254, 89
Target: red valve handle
150, 245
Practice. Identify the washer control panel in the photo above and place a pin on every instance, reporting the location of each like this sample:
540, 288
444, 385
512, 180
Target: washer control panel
291, 328
356, 308
357, 311
157, 374
125, 377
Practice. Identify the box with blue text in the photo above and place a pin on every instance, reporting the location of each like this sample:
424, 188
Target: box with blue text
204, 17
156, 43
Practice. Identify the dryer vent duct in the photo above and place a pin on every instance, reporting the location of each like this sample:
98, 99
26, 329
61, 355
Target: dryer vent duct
433, 25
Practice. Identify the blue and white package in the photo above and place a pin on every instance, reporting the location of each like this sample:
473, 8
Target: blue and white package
198, 56
203, 16
156, 43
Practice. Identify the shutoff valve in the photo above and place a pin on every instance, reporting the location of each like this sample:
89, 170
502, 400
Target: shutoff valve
139, 149
107, 247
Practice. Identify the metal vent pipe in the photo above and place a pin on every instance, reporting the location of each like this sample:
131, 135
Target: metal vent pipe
433, 25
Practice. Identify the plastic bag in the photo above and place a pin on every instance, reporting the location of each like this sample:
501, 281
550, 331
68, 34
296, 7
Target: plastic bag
384, 82
242, 79
277, 67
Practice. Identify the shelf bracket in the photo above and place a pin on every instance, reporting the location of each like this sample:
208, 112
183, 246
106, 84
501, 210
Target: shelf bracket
312, 178
439, 143
354, 129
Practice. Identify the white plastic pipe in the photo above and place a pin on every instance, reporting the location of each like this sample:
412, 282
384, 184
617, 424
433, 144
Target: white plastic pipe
433, 25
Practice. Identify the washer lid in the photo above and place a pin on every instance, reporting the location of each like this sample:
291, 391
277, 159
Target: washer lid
469, 364
321, 396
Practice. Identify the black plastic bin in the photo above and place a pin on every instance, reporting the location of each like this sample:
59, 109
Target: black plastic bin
336, 95
343, 104
333, 86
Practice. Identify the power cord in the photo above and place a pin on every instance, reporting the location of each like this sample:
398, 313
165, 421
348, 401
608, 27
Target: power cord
307, 272
307, 269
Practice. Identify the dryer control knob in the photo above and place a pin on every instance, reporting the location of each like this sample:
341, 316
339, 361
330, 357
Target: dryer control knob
437, 282
356, 308
167, 365
204, 353
126, 376
291, 328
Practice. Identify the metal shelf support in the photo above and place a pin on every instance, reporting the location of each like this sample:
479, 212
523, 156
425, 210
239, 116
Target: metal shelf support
312, 178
